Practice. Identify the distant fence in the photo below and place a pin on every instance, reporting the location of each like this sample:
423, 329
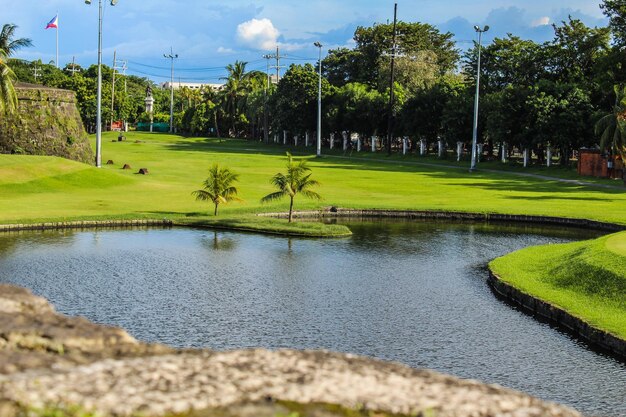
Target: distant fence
156, 127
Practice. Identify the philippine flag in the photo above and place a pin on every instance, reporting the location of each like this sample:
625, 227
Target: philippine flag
54, 23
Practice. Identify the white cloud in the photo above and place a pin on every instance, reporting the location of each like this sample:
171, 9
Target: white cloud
223, 50
258, 34
542, 21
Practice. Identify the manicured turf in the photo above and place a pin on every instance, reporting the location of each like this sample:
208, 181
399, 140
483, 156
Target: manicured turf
37, 188
587, 279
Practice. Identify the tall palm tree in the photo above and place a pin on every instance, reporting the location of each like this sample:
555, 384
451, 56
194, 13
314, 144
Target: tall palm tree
234, 92
296, 181
218, 187
10, 45
8, 98
612, 127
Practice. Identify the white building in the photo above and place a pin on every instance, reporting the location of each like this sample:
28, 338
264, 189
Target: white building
193, 86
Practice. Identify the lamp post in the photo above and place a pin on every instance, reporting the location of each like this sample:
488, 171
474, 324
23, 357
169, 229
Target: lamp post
99, 93
172, 56
475, 129
319, 102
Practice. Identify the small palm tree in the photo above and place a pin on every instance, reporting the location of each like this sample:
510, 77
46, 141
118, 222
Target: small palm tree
8, 98
218, 187
297, 180
612, 127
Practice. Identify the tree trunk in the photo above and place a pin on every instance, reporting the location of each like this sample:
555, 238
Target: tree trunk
215, 212
290, 208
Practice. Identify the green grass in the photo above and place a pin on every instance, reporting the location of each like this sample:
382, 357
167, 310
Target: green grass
44, 188
270, 225
586, 278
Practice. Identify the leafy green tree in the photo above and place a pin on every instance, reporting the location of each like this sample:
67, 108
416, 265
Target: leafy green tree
219, 187
8, 98
297, 180
360, 109
611, 128
615, 10
560, 115
294, 105
8, 44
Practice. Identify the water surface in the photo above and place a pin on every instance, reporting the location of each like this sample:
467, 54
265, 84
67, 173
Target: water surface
413, 292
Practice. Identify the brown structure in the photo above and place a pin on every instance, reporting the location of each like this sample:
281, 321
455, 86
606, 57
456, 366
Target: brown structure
591, 162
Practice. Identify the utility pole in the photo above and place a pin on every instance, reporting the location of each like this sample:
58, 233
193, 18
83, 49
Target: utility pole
35, 71
117, 65
73, 69
171, 56
390, 115
113, 89
266, 137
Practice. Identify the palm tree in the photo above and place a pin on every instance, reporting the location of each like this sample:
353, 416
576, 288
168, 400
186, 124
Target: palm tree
297, 180
612, 127
218, 187
234, 92
8, 98
10, 45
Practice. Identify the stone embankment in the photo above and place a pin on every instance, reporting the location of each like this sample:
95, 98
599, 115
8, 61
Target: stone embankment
50, 360
336, 212
596, 337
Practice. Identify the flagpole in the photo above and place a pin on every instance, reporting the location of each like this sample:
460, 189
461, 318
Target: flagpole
57, 61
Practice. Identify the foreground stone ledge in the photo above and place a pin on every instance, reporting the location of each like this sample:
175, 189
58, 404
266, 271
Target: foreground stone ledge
50, 360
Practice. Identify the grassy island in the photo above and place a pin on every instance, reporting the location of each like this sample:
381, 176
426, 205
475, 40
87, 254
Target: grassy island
587, 279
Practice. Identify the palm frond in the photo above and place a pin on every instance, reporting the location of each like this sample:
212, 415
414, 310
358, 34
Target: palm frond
273, 196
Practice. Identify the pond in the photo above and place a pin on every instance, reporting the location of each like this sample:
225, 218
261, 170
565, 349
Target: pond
413, 292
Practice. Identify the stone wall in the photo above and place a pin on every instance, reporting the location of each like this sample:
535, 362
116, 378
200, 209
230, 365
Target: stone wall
55, 362
47, 122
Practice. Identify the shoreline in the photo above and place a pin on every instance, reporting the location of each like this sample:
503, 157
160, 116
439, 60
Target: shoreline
576, 326
529, 303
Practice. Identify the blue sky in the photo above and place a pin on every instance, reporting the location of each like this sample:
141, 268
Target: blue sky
208, 34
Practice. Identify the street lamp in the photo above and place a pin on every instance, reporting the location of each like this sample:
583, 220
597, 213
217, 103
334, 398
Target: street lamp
475, 130
172, 56
99, 94
319, 102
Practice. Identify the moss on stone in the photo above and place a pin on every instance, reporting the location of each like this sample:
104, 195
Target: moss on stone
47, 123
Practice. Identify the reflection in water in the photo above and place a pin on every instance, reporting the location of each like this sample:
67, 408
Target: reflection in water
413, 292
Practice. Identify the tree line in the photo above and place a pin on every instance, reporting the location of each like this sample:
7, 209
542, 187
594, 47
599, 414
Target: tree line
562, 94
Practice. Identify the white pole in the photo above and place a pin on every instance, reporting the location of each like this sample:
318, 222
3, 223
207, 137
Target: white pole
332, 140
459, 151
284, 137
374, 143
295, 140
358, 143
475, 129
99, 92
525, 157
404, 145
440, 148
549, 156
504, 152
422, 147
319, 103
306, 139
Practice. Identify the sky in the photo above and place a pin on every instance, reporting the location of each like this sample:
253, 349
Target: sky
209, 34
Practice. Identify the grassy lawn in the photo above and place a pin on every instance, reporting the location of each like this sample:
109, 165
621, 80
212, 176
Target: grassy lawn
37, 188
587, 279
